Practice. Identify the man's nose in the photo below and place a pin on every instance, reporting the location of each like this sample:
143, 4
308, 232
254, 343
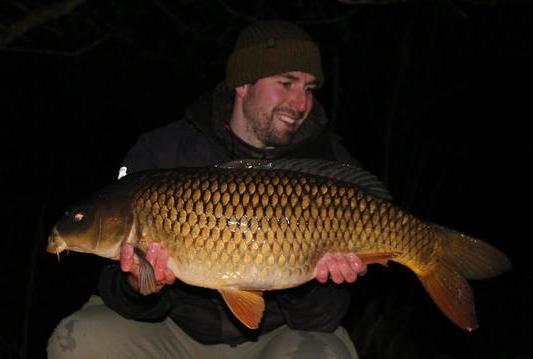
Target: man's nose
300, 100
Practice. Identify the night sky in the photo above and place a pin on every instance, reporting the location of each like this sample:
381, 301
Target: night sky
433, 97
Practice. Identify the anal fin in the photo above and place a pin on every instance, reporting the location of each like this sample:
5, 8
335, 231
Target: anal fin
247, 306
380, 258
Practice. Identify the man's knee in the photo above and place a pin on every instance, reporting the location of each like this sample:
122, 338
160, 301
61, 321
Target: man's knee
86, 333
302, 344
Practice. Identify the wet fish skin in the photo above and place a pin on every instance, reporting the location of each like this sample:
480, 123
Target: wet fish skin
243, 230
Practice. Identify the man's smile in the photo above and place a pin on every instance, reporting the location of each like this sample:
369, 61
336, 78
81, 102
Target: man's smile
289, 118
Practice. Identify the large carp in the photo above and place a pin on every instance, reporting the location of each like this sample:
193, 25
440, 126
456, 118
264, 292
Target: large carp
249, 226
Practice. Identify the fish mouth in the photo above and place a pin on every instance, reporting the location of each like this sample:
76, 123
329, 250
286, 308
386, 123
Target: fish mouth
55, 244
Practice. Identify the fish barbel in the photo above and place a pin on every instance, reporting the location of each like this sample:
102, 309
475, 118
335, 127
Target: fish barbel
249, 226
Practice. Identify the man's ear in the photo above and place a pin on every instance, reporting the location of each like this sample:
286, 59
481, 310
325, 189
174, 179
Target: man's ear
242, 90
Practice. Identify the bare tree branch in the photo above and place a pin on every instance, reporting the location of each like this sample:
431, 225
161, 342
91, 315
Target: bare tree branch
78, 52
370, 2
328, 20
388, 2
18, 5
456, 8
173, 17
321, 21
38, 18
236, 13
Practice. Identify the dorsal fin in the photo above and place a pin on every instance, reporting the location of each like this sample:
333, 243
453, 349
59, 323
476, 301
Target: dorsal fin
337, 170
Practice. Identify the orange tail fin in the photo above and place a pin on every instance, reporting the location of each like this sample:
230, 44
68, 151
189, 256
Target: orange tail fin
460, 257
452, 294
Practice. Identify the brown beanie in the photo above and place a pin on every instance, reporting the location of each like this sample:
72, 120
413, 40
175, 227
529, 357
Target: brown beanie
267, 48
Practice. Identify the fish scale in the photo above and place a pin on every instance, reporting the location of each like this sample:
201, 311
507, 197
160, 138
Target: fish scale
252, 226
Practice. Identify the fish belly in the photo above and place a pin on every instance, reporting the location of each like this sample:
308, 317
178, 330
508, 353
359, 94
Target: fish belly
251, 278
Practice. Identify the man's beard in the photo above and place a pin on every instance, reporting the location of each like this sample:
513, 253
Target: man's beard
262, 124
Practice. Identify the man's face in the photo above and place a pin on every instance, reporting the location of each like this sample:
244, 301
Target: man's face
275, 107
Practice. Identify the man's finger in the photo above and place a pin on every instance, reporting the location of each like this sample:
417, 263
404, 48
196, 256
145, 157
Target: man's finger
322, 272
160, 265
151, 253
126, 257
356, 264
169, 277
348, 273
334, 270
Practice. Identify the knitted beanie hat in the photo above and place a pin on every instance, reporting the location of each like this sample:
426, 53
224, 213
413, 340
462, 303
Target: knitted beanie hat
267, 48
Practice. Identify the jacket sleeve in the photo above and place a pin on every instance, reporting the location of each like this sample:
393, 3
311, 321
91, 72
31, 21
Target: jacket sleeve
118, 295
314, 306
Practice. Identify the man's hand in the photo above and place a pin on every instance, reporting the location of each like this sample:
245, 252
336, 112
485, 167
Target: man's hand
157, 257
339, 267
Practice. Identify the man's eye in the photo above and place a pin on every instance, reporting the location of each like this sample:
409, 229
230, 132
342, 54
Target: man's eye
285, 84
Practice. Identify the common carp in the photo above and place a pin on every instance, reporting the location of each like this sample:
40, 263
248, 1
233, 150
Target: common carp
249, 226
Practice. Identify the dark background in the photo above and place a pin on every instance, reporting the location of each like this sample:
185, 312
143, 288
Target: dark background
432, 96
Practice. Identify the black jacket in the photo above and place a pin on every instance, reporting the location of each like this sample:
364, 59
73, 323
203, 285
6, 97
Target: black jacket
203, 138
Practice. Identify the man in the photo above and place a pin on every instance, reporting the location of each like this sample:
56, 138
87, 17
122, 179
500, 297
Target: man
265, 109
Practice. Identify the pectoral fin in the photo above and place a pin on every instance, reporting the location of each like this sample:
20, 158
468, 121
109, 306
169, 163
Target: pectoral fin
380, 258
247, 306
147, 282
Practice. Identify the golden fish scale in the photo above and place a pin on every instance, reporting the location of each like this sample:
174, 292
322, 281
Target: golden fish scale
267, 229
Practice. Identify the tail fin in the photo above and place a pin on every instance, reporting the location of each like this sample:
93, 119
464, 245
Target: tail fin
473, 258
460, 257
